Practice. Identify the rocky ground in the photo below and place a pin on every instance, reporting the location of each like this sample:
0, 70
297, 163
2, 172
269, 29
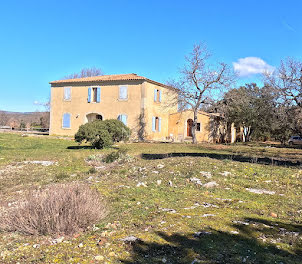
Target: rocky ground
168, 203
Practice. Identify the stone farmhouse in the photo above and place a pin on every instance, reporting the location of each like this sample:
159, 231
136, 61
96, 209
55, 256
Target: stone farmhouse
147, 107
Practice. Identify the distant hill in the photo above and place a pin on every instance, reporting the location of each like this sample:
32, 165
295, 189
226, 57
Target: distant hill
14, 119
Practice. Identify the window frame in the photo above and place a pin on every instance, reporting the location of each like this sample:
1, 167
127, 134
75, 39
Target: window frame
69, 120
157, 124
120, 115
157, 95
198, 124
94, 94
64, 99
119, 93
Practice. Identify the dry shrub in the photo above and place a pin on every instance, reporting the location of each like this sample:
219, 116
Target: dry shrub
63, 209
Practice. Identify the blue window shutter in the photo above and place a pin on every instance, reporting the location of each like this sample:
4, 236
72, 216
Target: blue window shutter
153, 123
159, 96
98, 95
159, 124
124, 119
123, 92
66, 120
89, 95
67, 93
155, 95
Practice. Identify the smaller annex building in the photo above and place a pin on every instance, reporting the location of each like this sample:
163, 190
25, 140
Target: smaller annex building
147, 107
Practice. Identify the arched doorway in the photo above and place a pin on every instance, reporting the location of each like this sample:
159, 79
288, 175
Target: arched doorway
189, 127
93, 116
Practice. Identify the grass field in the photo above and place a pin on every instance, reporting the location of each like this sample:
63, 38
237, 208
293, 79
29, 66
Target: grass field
155, 196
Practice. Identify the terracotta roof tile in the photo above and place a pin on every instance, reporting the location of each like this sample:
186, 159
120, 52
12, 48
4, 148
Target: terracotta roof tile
106, 78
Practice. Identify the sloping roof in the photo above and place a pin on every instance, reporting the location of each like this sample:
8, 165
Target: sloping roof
108, 78
199, 112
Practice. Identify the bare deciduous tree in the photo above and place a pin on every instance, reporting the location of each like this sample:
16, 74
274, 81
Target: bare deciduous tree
85, 72
200, 82
287, 80
3, 118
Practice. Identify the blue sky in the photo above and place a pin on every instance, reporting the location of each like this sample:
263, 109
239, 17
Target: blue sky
45, 40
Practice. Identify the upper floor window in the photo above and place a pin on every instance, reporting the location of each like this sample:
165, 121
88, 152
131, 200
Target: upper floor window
156, 124
67, 93
123, 92
157, 95
123, 118
66, 120
94, 94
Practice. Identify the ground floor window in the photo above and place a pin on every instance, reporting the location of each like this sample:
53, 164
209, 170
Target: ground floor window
123, 118
198, 127
66, 120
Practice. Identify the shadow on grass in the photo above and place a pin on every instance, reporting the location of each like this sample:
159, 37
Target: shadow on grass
80, 147
234, 157
213, 246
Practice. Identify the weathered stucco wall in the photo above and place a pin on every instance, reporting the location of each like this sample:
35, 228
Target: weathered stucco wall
178, 126
161, 109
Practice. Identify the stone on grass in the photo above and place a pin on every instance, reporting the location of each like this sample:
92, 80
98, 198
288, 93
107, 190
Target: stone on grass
241, 223
225, 173
158, 182
211, 184
206, 174
201, 233
41, 162
207, 205
130, 239
208, 215
99, 258
160, 166
141, 184
196, 180
260, 191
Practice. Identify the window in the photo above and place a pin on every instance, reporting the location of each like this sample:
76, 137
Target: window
123, 118
157, 95
66, 120
123, 92
94, 95
198, 127
156, 124
67, 93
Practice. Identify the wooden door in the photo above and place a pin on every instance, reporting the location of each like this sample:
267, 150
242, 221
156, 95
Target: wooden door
189, 127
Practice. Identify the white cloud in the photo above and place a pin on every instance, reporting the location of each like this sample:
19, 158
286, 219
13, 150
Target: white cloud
251, 65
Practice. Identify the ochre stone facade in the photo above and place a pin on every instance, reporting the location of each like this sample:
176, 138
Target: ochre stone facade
147, 107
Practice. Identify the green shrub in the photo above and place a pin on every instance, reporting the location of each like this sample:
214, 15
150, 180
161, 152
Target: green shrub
102, 134
117, 130
120, 156
102, 140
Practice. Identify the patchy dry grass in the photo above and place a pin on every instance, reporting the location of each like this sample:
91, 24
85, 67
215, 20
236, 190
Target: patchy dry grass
153, 197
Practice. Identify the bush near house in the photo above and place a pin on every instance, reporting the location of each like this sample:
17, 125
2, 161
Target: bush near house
102, 134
